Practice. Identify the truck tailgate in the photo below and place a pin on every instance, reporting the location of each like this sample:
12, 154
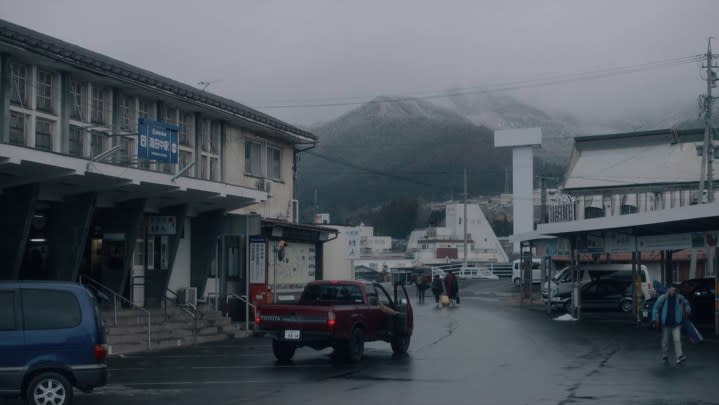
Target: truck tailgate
300, 317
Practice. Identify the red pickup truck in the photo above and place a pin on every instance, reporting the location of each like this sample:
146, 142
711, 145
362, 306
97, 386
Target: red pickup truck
338, 314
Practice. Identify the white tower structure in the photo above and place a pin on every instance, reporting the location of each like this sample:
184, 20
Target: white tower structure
522, 141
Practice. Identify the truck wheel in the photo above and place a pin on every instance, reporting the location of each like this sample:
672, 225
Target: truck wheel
283, 351
400, 344
355, 346
49, 388
516, 282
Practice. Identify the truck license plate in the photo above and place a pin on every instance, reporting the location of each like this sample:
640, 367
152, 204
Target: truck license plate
292, 335
645, 314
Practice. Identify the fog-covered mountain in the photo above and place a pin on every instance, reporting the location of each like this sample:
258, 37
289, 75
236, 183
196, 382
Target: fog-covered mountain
393, 148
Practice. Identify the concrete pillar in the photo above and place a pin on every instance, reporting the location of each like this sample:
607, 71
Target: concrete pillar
64, 112
206, 228
17, 205
180, 214
69, 228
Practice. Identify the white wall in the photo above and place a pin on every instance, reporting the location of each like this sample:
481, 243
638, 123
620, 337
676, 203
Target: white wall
180, 277
334, 263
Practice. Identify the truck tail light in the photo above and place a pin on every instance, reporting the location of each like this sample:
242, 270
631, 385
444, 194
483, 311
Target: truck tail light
257, 318
100, 352
331, 320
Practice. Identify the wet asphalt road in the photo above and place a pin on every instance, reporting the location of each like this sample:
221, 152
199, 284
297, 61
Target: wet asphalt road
486, 351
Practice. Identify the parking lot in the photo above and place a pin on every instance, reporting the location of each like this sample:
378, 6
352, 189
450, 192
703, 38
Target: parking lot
487, 350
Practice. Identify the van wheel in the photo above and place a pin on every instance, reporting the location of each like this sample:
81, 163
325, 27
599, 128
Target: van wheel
283, 351
400, 344
516, 282
626, 306
355, 346
49, 389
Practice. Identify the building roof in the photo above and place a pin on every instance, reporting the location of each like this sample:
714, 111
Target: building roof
661, 157
692, 218
84, 59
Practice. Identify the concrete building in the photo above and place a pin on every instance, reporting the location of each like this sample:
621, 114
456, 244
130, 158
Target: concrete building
445, 244
137, 181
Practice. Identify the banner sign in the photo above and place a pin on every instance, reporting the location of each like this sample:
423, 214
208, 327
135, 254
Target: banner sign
257, 259
158, 141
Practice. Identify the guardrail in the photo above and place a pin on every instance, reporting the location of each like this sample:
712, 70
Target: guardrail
115, 297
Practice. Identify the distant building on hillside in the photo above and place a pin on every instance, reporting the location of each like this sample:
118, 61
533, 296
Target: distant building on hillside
446, 244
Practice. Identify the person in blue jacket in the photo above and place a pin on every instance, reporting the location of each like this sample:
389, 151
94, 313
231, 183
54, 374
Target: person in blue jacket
668, 313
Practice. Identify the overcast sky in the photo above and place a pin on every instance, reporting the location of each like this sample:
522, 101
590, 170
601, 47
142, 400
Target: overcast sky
271, 52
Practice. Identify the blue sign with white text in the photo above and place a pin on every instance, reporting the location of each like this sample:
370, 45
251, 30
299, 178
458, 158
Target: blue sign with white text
158, 141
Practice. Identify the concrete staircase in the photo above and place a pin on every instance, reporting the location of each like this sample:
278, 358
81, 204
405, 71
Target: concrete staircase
130, 334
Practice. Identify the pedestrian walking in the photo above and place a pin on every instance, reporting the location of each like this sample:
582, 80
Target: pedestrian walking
421, 284
437, 289
452, 287
668, 314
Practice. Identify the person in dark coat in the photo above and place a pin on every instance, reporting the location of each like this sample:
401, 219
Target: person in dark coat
422, 286
437, 289
452, 287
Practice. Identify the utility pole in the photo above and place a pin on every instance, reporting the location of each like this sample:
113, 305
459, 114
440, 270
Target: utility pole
707, 169
465, 218
543, 214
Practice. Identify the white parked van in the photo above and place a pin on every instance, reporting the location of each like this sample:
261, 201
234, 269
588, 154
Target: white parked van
518, 274
561, 283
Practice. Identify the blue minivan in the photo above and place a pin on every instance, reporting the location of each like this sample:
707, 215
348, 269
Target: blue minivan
51, 339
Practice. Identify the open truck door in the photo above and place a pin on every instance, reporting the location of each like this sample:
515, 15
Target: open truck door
403, 322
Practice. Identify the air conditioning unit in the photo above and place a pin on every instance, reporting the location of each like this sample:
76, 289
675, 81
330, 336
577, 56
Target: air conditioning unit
295, 211
187, 296
264, 185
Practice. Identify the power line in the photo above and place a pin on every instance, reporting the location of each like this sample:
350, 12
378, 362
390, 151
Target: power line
506, 86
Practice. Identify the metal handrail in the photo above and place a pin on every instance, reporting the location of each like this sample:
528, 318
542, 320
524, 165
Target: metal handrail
244, 299
115, 296
193, 313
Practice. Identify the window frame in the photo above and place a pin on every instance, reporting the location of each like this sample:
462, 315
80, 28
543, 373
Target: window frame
271, 150
15, 86
14, 300
50, 133
249, 158
72, 132
98, 105
25, 118
45, 293
49, 87
77, 91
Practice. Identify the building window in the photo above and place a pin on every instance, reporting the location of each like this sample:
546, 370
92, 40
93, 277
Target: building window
215, 138
127, 123
144, 109
214, 169
17, 128
43, 134
44, 98
77, 141
204, 137
170, 116
187, 130
125, 152
19, 84
185, 159
274, 163
77, 97
99, 105
253, 158
203, 167
97, 143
